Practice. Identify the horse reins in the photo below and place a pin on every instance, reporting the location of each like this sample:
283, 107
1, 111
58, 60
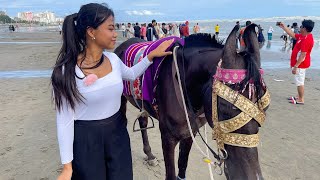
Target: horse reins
206, 156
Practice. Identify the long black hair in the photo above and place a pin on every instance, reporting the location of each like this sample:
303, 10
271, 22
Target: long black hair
74, 29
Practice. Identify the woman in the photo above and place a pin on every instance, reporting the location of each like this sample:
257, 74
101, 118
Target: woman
87, 87
143, 31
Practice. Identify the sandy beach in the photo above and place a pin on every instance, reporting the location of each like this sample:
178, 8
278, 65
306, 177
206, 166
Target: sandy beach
289, 148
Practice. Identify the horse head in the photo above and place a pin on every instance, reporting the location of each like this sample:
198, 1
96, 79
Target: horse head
239, 101
229, 85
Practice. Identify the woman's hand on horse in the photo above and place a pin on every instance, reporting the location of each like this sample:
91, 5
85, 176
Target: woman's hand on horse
161, 50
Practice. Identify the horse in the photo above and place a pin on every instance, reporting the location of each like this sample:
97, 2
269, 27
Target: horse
201, 61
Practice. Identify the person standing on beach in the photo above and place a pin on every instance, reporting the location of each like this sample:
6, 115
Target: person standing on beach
60, 28
137, 30
130, 31
185, 30
143, 31
295, 30
270, 31
260, 35
87, 87
242, 44
196, 29
123, 29
217, 30
152, 34
300, 56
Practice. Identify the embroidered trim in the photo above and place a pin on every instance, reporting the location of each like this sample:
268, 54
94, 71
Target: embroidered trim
231, 76
222, 129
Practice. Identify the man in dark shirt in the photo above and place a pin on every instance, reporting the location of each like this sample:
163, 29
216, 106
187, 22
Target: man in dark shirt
152, 34
164, 29
137, 30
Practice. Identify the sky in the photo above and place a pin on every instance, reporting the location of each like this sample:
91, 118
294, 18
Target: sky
175, 10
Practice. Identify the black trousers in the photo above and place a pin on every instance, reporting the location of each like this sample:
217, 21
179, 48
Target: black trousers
101, 150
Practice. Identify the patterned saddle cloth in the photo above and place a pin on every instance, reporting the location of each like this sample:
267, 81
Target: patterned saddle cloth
143, 88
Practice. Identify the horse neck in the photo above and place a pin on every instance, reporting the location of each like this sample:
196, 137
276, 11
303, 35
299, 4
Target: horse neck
242, 163
198, 72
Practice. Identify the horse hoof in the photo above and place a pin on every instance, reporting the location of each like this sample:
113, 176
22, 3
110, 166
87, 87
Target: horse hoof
153, 162
178, 178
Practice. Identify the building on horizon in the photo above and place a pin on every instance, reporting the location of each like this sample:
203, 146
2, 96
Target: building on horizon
3, 13
25, 16
42, 17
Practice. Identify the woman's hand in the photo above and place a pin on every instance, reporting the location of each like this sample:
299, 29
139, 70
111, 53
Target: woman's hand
66, 173
161, 50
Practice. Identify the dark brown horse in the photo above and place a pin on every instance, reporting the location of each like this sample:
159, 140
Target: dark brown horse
198, 60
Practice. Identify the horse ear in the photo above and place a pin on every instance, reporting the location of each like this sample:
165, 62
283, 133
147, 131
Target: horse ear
230, 48
251, 41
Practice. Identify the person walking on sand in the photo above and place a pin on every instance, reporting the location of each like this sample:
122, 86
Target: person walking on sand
300, 56
87, 86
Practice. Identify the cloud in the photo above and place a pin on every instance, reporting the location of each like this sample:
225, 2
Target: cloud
143, 13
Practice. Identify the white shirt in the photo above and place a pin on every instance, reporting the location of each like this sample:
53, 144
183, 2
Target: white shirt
123, 27
130, 33
102, 100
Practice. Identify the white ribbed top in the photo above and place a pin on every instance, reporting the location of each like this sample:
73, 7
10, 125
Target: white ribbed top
102, 100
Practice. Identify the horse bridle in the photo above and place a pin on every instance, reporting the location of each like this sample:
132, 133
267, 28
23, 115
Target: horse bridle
222, 130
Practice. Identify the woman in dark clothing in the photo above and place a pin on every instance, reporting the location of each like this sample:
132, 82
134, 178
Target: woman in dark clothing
87, 86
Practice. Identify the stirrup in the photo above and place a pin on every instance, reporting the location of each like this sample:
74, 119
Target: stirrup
143, 114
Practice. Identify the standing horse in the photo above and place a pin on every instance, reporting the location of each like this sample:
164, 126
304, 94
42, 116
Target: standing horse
204, 88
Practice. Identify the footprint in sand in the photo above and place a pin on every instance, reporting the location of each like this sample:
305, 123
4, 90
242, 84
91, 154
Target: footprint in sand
44, 149
8, 149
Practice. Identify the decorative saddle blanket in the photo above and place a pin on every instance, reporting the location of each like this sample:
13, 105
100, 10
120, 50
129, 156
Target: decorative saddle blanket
143, 88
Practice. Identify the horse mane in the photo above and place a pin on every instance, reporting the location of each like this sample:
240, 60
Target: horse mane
202, 40
253, 71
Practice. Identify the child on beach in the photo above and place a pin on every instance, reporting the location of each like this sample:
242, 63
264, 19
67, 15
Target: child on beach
87, 87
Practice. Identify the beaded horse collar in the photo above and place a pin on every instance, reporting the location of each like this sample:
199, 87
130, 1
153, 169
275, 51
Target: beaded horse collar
222, 129
231, 76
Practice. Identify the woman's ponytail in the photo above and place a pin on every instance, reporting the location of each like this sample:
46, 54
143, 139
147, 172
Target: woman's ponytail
63, 75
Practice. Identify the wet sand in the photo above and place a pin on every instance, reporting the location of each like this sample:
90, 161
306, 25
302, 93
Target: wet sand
289, 147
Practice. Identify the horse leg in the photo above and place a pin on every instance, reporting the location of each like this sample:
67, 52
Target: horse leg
184, 150
168, 145
151, 159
